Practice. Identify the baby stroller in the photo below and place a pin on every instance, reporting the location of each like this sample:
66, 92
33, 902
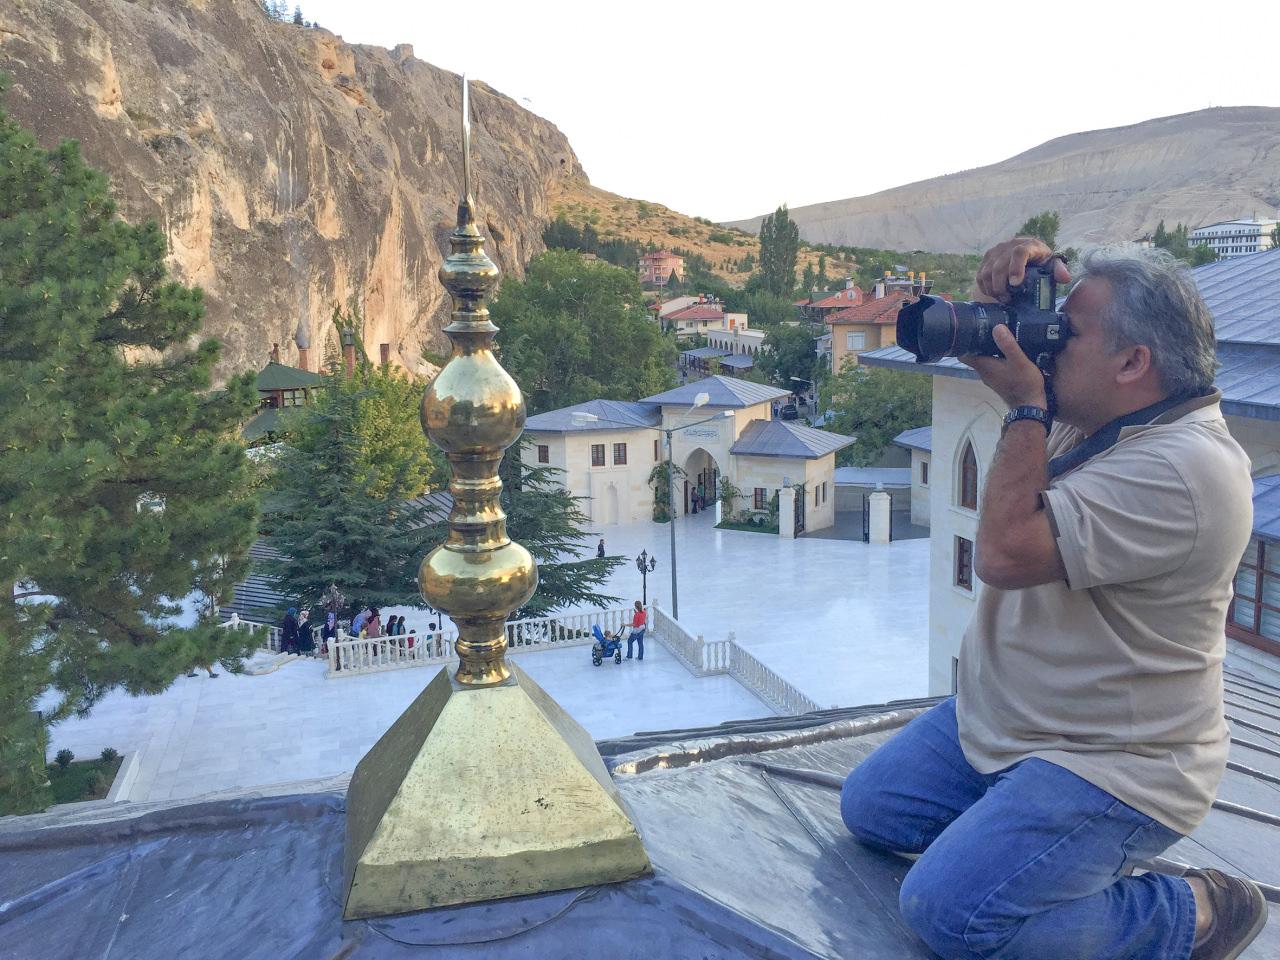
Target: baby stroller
605, 646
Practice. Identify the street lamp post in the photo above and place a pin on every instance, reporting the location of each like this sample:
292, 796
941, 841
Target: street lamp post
645, 564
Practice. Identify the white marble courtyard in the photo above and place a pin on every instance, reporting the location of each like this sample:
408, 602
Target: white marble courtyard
843, 621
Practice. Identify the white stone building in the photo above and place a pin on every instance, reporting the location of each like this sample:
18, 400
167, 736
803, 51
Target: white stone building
608, 450
919, 442
966, 427
1235, 238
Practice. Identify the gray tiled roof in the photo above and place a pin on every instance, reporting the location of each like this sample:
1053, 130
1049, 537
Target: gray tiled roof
724, 392
1243, 294
1266, 508
613, 414
918, 438
785, 438
737, 361
741, 822
704, 353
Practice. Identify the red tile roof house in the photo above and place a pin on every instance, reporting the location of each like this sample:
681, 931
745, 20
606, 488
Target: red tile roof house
867, 326
656, 268
694, 320
818, 310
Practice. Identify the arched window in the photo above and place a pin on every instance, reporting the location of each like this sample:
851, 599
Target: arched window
968, 478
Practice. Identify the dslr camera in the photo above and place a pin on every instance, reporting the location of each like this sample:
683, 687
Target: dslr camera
932, 328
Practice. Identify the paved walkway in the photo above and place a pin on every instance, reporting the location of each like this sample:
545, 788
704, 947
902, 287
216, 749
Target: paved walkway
844, 621
203, 735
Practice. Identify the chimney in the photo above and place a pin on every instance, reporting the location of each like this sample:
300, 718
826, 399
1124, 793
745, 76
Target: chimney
302, 338
275, 353
877, 292
349, 351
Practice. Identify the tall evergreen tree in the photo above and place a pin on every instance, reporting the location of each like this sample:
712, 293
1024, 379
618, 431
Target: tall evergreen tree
335, 513
129, 504
779, 247
297, 15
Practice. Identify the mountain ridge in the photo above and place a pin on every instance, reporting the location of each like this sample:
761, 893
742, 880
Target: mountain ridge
1108, 184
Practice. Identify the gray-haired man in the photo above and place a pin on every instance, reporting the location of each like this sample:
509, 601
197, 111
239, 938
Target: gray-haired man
1088, 732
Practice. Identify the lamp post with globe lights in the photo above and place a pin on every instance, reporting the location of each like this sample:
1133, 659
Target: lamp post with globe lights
645, 564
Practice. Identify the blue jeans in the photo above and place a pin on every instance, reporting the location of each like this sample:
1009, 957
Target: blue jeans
637, 636
1023, 863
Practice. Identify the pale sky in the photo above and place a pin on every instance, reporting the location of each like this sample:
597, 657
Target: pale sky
725, 110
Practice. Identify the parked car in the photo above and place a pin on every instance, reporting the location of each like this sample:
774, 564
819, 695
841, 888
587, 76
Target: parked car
789, 411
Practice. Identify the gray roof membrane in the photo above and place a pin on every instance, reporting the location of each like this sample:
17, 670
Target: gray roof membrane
786, 438
721, 392
741, 822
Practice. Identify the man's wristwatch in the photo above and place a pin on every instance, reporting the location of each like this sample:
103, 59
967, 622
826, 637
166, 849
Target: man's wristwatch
1029, 412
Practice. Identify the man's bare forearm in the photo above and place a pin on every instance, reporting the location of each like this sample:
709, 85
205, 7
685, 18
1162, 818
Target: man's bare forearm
1015, 546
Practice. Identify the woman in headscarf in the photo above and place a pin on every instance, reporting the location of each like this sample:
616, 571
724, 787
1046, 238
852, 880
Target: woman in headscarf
306, 642
289, 632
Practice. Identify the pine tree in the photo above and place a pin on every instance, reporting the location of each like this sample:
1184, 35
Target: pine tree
125, 484
297, 15
779, 247
335, 513
822, 271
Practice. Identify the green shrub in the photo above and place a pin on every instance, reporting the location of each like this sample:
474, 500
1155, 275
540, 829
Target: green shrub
63, 758
109, 754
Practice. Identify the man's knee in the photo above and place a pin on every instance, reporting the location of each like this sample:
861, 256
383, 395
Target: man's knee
864, 809
932, 905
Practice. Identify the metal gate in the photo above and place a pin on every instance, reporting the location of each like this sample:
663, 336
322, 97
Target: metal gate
798, 493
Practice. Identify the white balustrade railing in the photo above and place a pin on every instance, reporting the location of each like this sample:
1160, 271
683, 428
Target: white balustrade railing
270, 636
708, 657
357, 655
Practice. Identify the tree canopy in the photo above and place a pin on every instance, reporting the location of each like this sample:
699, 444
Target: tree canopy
1177, 242
576, 330
1043, 226
339, 508
874, 405
129, 501
779, 248
788, 352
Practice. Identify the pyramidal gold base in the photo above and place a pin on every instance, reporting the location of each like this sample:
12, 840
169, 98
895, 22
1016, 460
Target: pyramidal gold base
481, 793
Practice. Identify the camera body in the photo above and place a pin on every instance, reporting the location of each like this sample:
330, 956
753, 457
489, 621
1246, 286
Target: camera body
931, 328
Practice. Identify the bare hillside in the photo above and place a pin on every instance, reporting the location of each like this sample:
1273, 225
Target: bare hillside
1108, 185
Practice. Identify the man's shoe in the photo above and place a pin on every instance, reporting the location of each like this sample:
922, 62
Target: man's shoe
1239, 914
193, 674
627, 657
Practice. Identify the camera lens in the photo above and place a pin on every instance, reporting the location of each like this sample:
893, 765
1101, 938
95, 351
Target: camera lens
932, 328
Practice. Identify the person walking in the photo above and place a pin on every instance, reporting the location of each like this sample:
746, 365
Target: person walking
600, 549
639, 621
207, 666
289, 631
373, 626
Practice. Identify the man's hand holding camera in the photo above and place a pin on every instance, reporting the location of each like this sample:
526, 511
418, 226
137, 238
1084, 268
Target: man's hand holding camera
1016, 379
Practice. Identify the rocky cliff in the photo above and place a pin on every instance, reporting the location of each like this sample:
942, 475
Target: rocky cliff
1108, 185
290, 170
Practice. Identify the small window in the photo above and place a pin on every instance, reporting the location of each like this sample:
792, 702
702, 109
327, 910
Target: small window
964, 563
969, 478
761, 501
544, 453
656, 454
817, 494
597, 454
924, 473
855, 341
619, 454
824, 491
955, 674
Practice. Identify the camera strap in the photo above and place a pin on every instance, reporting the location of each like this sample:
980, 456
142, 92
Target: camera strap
1106, 436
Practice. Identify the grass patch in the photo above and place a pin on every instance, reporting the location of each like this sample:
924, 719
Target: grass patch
748, 526
82, 780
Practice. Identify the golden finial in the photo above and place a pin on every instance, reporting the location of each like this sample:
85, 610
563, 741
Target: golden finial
473, 411
484, 787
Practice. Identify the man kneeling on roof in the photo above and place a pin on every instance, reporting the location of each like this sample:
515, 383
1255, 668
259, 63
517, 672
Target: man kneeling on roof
1087, 733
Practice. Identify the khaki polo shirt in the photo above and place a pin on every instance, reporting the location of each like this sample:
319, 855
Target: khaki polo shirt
1116, 672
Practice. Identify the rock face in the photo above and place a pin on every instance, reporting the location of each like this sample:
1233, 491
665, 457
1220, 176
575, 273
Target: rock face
291, 171
1108, 185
